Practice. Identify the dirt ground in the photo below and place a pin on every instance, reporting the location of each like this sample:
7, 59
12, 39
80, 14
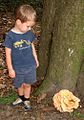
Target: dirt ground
40, 111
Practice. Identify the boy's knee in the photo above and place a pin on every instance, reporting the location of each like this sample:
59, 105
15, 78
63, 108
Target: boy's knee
26, 85
22, 85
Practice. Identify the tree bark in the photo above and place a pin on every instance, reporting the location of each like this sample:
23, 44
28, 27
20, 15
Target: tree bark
61, 44
46, 36
80, 83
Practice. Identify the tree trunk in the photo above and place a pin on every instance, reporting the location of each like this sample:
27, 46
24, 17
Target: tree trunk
80, 83
46, 36
61, 44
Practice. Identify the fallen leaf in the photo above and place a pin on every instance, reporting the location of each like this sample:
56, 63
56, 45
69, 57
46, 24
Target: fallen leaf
41, 97
2, 86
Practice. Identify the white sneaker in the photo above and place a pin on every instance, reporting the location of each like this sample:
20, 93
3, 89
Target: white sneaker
27, 105
16, 102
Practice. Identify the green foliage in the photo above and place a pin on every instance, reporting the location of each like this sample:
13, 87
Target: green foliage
1, 67
10, 5
9, 98
2, 6
77, 114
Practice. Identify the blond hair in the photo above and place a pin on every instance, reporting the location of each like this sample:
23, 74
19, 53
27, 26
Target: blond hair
25, 13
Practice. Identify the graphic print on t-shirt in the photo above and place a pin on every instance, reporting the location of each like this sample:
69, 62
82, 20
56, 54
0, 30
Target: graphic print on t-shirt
19, 44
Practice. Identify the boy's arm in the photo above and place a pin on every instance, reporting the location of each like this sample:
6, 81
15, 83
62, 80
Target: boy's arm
35, 55
9, 62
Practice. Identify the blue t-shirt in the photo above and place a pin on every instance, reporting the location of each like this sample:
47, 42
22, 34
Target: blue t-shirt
21, 49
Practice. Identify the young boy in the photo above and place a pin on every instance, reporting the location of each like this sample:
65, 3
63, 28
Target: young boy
21, 57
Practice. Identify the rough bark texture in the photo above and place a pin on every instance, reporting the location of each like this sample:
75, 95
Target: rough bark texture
80, 83
62, 44
46, 36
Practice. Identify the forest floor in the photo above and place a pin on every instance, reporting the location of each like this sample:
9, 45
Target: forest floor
42, 110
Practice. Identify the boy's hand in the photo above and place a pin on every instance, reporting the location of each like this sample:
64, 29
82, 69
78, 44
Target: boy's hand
12, 73
37, 64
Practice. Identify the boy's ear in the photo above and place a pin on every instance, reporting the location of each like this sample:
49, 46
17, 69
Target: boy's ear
18, 21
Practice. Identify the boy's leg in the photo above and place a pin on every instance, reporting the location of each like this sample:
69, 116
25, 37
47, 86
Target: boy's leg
21, 95
27, 91
21, 90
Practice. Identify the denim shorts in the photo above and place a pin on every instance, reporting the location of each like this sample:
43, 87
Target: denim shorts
27, 75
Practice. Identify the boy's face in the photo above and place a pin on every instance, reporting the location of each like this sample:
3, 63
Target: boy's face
24, 27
